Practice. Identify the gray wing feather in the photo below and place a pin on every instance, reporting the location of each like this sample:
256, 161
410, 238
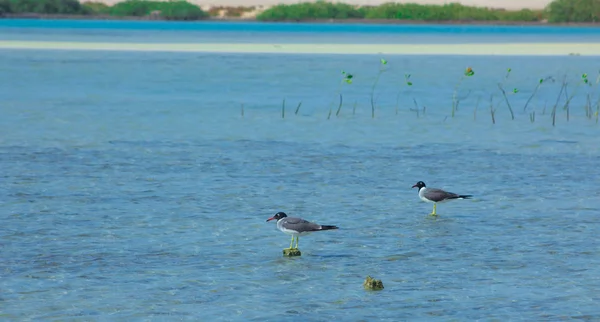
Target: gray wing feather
300, 225
436, 195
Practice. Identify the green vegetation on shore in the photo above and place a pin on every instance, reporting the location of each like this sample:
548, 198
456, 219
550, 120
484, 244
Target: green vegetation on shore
393, 11
169, 10
558, 11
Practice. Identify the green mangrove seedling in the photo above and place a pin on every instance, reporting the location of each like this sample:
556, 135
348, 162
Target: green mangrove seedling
408, 83
382, 69
346, 79
592, 86
500, 86
569, 98
537, 87
469, 72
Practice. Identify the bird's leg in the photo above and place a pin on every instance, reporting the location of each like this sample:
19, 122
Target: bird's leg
434, 209
292, 242
297, 239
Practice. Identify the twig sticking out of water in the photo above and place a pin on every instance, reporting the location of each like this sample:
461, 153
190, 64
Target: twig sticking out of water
545, 106
298, 108
588, 107
562, 88
492, 109
416, 107
283, 109
569, 98
532, 117
382, 69
597, 110
567, 101
337, 113
408, 83
476, 107
242, 110
512, 115
460, 99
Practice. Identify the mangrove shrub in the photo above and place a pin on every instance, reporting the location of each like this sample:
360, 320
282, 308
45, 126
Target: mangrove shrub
311, 11
172, 9
573, 11
70, 7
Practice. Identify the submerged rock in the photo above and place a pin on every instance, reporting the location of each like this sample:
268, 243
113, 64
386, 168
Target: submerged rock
291, 252
372, 284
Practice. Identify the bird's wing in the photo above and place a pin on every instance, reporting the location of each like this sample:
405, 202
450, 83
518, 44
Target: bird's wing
300, 225
436, 195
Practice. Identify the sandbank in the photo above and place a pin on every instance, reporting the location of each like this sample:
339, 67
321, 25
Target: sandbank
510, 49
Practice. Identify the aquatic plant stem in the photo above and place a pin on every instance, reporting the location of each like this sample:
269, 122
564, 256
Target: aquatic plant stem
537, 87
340, 106
454, 95
512, 115
382, 69
492, 109
347, 78
298, 108
562, 88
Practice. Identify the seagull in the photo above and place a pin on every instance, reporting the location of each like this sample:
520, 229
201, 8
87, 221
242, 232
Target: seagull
297, 226
436, 196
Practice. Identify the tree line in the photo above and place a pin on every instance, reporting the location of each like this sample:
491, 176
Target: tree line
558, 11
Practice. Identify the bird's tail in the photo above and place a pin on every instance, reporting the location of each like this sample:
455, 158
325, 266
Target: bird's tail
328, 227
465, 196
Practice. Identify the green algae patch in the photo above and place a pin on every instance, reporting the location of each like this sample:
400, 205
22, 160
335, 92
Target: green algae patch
291, 252
372, 284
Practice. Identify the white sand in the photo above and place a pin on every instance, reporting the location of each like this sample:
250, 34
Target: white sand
506, 4
532, 49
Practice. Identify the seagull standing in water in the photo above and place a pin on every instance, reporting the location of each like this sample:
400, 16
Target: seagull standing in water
436, 196
297, 226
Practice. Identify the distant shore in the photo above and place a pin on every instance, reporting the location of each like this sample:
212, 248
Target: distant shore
402, 12
319, 21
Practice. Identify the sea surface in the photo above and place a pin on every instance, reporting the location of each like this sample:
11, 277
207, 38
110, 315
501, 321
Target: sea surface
137, 185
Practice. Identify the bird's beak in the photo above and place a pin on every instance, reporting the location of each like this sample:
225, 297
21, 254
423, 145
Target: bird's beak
413, 186
271, 218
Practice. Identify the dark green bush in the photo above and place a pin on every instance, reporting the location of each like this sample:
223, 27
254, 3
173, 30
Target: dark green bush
172, 9
573, 11
5, 7
402, 11
43, 6
311, 11
96, 8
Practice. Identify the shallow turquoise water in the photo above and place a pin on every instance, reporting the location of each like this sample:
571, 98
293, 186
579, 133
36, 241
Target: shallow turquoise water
133, 189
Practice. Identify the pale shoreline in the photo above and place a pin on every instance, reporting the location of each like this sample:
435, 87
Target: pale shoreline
258, 6
503, 49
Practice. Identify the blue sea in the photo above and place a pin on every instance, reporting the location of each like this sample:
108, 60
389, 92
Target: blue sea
137, 185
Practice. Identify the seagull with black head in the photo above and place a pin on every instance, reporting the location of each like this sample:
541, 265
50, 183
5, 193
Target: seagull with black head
435, 196
297, 226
